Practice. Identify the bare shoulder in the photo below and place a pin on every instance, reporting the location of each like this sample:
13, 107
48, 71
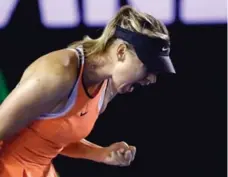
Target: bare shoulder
60, 64
44, 84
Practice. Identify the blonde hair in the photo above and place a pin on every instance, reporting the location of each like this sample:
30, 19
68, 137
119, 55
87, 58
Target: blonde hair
128, 18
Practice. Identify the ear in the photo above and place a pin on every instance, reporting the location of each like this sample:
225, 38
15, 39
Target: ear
121, 52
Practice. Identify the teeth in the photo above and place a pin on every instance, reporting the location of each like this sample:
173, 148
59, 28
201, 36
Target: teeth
131, 89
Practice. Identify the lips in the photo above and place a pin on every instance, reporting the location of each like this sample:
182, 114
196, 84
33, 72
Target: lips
126, 88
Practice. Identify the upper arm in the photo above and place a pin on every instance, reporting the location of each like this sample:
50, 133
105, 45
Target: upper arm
36, 94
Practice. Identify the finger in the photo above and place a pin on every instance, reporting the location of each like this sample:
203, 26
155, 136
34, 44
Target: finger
120, 155
133, 151
120, 158
119, 145
128, 156
121, 150
124, 158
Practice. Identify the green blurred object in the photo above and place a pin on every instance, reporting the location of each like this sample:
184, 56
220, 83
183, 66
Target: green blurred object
4, 91
3, 88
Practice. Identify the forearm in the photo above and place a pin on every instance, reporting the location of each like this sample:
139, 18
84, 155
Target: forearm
84, 150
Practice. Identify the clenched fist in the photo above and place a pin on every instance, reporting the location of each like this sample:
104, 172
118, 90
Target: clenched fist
119, 154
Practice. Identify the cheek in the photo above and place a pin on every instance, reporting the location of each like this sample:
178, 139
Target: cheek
130, 71
128, 74
139, 74
122, 75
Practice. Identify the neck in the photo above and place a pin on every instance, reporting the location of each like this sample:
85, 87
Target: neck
96, 70
112, 92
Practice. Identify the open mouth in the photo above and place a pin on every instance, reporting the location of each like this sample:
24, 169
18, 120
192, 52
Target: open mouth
136, 85
130, 88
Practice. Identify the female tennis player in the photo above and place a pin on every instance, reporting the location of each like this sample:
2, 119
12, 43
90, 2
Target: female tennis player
56, 103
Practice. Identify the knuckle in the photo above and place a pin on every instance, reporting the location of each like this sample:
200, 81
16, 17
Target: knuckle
124, 144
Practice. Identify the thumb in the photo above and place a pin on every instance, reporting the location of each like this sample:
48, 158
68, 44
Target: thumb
118, 146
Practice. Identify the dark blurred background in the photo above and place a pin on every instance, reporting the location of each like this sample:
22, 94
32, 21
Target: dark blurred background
178, 124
